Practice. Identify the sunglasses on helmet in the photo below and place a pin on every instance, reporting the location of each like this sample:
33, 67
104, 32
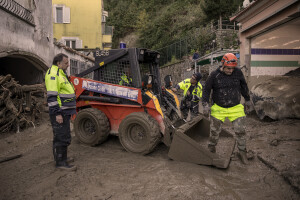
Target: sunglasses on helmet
230, 61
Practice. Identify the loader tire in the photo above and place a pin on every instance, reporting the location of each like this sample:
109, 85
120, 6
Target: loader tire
139, 133
91, 126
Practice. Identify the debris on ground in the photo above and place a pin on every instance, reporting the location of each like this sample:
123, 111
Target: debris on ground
277, 98
20, 105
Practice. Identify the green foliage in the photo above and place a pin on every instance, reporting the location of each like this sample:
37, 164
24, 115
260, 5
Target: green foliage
159, 23
213, 9
173, 61
231, 41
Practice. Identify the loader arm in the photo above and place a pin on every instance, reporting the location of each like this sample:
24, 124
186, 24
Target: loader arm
103, 62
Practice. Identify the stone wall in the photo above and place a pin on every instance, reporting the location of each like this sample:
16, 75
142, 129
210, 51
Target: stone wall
179, 71
185, 69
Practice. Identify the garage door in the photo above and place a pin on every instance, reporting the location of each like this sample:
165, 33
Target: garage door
277, 51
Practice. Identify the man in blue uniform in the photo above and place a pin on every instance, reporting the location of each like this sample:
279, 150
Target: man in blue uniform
62, 104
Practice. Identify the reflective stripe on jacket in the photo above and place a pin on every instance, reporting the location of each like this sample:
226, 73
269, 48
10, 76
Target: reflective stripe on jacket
197, 92
60, 92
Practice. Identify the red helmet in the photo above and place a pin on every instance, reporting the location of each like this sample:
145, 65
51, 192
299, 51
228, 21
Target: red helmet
229, 59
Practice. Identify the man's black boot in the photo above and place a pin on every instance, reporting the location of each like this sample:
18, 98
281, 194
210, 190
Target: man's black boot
61, 159
69, 159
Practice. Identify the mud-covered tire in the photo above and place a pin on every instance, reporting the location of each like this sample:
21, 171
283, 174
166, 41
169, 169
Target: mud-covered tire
139, 133
91, 126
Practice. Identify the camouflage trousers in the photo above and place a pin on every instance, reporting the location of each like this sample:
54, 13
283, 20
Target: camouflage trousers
239, 129
186, 106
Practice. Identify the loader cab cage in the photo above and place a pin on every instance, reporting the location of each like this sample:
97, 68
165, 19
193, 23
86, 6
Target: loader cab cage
131, 64
114, 72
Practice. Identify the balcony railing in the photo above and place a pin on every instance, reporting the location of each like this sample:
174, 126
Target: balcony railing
17, 10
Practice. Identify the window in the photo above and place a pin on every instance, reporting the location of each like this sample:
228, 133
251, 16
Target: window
90, 75
82, 67
61, 14
73, 67
71, 44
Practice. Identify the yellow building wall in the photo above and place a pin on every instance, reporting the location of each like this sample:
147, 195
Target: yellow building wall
85, 22
107, 38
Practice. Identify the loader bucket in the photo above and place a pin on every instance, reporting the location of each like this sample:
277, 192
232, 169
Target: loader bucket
190, 143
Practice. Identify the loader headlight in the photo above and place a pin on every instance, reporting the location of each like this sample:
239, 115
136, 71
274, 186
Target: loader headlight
147, 81
150, 80
142, 52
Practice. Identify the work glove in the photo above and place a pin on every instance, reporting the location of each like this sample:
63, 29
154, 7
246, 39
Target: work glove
249, 107
206, 109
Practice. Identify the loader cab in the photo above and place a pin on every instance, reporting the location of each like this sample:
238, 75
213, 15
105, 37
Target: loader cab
132, 64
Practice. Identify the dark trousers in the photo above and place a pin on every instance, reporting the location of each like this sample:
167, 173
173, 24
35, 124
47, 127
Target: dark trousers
61, 132
186, 106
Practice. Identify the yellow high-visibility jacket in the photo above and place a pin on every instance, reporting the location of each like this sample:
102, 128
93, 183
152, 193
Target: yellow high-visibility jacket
60, 92
186, 84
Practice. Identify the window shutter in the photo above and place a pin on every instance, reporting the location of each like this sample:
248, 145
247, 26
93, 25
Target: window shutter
54, 14
78, 44
66, 13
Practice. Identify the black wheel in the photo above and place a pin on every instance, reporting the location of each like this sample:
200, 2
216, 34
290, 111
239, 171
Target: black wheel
139, 133
91, 126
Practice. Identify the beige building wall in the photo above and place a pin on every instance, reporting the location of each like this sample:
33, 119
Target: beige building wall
270, 38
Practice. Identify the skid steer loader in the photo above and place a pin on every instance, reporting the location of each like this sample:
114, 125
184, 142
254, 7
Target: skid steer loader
122, 95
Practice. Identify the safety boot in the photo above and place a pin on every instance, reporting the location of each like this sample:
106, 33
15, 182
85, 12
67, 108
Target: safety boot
61, 159
69, 159
212, 148
243, 157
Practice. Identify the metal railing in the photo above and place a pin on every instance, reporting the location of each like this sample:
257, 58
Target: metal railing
224, 24
187, 46
17, 10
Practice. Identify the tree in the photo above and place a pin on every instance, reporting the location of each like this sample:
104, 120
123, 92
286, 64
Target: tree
214, 9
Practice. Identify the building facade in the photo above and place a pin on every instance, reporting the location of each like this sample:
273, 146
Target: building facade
26, 44
269, 38
81, 24
27, 47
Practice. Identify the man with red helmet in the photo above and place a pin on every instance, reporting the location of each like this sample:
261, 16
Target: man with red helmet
227, 84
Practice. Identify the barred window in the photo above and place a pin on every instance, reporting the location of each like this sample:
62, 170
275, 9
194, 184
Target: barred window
90, 75
73, 67
82, 67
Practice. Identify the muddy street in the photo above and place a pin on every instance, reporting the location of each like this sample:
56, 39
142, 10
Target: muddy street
107, 171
